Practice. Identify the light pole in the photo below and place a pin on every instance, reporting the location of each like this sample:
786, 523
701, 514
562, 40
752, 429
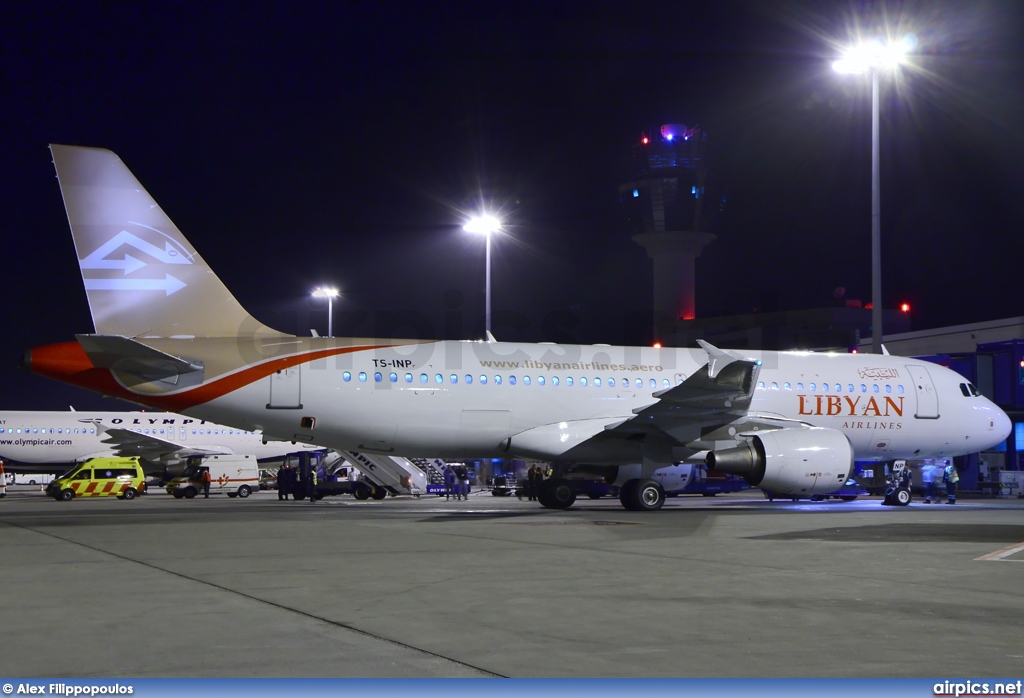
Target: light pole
873, 57
485, 225
329, 294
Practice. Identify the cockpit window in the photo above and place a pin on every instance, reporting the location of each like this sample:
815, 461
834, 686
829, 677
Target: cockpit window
969, 390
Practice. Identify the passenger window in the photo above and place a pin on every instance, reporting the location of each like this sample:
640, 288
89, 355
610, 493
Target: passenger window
483, 379
526, 380
346, 376
423, 378
497, 380
469, 379
554, 380
888, 388
438, 378
899, 389
775, 386
787, 386
540, 380
511, 380
377, 377
362, 376
800, 387
850, 387
568, 381
664, 382
453, 378
597, 382
393, 377
863, 388
760, 385
583, 381
874, 388
408, 378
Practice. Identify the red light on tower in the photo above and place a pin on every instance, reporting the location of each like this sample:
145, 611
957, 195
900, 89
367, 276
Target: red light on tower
644, 139
905, 307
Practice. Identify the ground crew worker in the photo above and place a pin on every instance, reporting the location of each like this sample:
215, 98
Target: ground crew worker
3, 481
311, 482
449, 483
206, 482
284, 485
950, 476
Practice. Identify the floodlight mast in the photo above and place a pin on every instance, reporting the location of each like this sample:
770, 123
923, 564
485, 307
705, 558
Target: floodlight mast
486, 225
872, 57
330, 294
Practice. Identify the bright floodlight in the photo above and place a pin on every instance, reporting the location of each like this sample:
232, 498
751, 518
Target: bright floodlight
483, 225
330, 294
875, 54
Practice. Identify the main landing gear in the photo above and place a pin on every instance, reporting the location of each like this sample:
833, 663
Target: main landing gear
635, 495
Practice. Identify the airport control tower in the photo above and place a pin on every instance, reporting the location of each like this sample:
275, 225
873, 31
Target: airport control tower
671, 211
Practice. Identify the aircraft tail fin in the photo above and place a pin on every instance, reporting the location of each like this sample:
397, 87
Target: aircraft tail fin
142, 277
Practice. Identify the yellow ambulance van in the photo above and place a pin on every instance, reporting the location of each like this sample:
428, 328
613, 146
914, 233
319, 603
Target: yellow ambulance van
100, 477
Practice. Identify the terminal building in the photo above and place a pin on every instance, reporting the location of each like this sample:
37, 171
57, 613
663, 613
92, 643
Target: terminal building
673, 204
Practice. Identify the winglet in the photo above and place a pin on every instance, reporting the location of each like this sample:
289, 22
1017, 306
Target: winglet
717, 358
490, 337
885, 352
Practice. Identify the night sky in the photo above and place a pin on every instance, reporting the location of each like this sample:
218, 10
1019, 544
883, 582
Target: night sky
299, 144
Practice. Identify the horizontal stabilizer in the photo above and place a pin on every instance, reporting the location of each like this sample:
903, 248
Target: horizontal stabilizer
127, 358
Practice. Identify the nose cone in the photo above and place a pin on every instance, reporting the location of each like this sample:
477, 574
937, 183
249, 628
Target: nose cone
1001, 425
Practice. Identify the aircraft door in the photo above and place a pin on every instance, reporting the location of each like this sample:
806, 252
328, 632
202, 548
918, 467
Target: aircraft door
285, 389
927, 399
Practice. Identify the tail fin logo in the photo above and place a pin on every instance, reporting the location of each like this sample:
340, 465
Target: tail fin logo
105, 258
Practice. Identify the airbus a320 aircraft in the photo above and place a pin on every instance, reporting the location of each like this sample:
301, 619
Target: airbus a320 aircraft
791, 422
32, 438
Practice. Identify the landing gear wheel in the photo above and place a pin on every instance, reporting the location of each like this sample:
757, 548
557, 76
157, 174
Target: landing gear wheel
626, 494
556, 494
648, 496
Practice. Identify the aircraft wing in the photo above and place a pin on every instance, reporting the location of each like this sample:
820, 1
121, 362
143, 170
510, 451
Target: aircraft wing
716, 396
131, 443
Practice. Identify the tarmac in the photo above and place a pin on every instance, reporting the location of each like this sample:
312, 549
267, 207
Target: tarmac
731, 586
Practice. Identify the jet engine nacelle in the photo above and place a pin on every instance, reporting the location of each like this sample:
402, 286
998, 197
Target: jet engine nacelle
790, 461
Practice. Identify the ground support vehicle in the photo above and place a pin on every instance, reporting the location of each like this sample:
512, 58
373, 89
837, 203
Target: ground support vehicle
100, 477
235, 476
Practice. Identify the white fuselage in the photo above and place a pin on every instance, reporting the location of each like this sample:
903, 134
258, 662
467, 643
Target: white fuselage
481, 399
